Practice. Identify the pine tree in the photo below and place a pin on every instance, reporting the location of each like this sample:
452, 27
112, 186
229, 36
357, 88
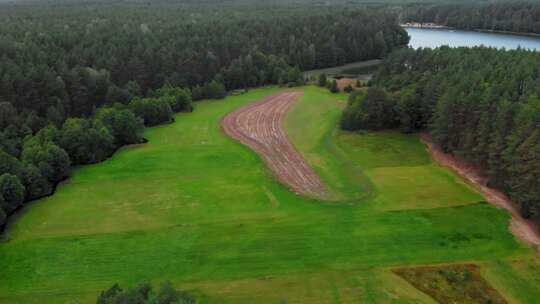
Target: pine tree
322, 80
333, 86
442, 122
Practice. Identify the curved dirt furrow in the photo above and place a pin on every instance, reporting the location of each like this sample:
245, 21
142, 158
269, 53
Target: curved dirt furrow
260, 127
523, 229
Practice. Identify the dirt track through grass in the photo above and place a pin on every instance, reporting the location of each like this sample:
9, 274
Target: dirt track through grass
198, 209
260, 127
523, 229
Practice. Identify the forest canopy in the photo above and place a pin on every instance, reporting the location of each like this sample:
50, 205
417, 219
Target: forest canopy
78, 80
508, 16
481, 104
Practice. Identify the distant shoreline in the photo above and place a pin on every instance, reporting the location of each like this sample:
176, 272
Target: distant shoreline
434, 26
508, 33
425, 26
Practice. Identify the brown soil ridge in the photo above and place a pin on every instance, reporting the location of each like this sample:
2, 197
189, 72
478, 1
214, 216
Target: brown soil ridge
523, 229
260, 126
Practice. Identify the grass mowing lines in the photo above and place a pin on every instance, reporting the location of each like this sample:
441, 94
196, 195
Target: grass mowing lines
419, 187
197, 208
384, 149
175, 168
259, 126
312, 124
517, 278
403, 173
356, 286
233, 249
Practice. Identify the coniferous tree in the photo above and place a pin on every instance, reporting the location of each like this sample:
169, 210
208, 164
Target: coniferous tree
52, 90
11, 191
479, 104
322, 80
333, 87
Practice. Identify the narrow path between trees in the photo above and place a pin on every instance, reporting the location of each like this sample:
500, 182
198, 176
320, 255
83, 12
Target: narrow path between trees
260, 127
523, 229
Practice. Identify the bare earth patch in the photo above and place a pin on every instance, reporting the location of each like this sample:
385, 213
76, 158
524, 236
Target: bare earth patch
343, 82
523, 229
260, 127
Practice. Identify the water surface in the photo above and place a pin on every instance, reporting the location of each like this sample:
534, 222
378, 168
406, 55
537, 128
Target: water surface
432, 38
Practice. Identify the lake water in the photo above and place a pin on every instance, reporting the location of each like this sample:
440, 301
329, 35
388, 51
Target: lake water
431, 38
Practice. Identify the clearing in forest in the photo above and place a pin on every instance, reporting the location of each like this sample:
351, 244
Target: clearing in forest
196, 208
260, 127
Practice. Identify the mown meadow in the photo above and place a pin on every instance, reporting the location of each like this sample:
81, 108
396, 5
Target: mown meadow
196, 208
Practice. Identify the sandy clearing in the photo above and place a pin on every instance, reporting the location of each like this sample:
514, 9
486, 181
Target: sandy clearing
343, 82
260, 127
523, 229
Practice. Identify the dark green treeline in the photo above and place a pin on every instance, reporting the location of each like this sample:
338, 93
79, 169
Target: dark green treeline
511, 16
80, 79
480, 104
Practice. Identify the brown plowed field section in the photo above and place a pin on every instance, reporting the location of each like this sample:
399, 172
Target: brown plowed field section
260, 127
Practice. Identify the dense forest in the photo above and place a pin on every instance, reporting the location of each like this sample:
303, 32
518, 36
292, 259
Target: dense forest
510, 16
480, 104
79, 80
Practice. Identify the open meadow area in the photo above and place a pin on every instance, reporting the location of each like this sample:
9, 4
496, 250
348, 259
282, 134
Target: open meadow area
203, 211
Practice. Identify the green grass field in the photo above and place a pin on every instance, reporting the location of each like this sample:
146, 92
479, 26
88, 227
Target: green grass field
194, 207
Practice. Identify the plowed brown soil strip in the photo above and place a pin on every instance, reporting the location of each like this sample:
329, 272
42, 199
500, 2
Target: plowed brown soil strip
523, 229
260, 127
